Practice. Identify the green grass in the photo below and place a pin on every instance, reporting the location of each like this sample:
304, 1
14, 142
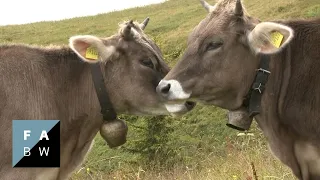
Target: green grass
195, 146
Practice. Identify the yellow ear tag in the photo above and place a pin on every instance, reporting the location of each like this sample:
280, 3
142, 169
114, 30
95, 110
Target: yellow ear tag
276, 39
92, 53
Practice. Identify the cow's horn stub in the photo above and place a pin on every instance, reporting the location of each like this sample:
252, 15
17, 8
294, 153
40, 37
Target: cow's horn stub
207, 6
144, 24
127, 30
114, 132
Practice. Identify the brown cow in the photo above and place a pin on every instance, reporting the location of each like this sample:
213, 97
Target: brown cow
221, 63
56, 83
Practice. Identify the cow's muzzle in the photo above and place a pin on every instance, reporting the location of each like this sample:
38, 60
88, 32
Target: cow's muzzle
172, 90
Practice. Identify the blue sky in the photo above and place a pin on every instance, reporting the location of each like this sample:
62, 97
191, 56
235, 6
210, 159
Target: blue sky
27, 11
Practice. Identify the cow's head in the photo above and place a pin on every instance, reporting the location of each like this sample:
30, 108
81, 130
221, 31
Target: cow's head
132, 66
218, 66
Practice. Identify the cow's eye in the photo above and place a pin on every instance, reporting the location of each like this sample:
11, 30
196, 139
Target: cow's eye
213, 45
148, 63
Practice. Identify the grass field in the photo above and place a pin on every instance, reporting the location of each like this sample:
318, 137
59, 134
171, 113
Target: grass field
197, 145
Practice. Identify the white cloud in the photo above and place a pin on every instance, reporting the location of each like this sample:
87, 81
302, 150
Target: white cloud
26, 11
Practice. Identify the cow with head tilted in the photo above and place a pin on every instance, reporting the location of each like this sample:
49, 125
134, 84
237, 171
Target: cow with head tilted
58, 83
266, 70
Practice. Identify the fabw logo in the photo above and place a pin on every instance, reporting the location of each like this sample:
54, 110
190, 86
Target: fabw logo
36, 143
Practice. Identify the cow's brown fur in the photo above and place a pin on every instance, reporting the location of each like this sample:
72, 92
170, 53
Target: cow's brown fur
290, 106
54, 83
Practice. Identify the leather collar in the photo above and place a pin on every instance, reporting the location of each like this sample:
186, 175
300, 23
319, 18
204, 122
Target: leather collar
107, 109
253, 99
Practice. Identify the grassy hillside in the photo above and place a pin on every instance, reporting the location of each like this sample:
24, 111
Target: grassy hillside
195, 146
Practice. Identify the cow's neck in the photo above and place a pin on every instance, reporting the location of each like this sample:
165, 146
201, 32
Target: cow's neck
80, 115
276, 88
76, 94
295, 82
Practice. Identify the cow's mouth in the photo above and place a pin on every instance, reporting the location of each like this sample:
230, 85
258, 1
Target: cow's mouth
180, 108
190, 105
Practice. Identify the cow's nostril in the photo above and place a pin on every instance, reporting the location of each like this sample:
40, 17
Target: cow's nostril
165, 89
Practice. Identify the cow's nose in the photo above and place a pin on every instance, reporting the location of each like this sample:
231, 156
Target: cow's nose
163, 88
172, 90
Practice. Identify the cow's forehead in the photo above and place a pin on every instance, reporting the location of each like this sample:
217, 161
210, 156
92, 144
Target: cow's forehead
138, 36
218, 21
214, 23
225, 5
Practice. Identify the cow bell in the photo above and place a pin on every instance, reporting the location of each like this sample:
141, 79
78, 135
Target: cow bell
239, 119
114, 132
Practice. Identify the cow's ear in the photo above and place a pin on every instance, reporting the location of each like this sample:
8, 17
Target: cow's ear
269, 37
90, 48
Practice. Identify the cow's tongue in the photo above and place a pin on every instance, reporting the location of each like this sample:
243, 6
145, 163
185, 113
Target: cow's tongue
239, 119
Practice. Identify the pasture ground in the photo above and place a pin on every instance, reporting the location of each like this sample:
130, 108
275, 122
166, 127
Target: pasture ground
197, 145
